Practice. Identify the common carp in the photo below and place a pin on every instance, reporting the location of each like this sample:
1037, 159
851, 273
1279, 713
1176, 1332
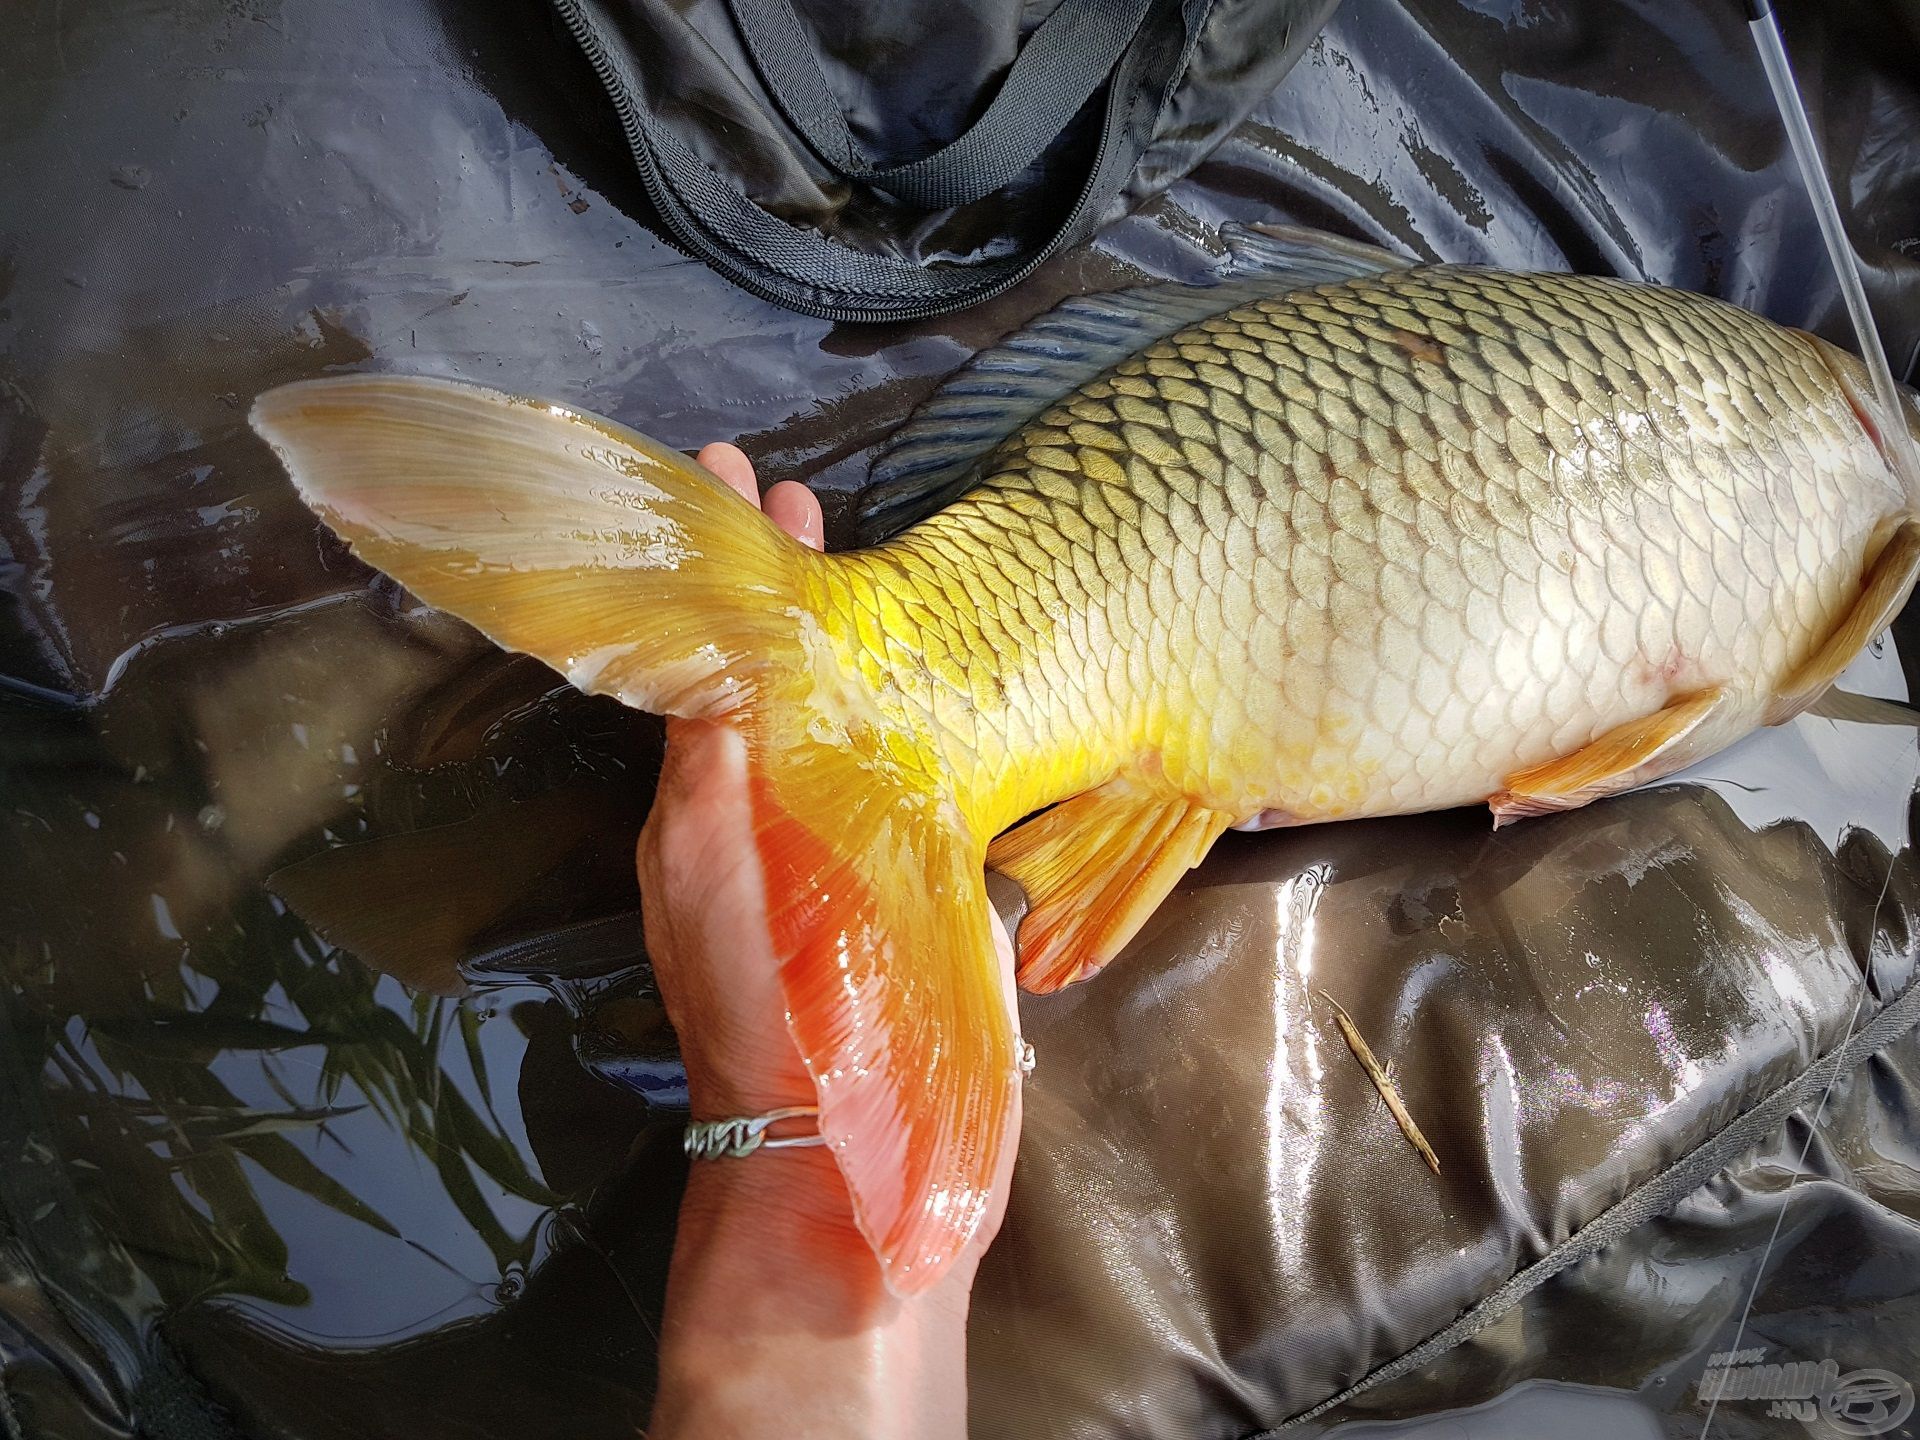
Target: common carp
1339, 536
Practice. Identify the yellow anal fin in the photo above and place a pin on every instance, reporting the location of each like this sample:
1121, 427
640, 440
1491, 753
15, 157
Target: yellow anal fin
1633, 754
877, 906
1095, 868
1888, 583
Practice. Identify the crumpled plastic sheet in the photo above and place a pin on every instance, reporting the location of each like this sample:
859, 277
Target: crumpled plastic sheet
250, 1184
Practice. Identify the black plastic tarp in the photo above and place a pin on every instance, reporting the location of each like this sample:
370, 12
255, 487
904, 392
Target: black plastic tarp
251, 1183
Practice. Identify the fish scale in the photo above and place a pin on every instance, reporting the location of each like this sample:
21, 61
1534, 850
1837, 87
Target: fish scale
1353, 538
1452, 523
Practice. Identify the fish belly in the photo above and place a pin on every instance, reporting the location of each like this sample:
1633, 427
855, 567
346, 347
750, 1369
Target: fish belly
1431, 680
1372, 548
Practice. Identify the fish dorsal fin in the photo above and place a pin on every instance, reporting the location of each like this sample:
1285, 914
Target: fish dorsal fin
934, 455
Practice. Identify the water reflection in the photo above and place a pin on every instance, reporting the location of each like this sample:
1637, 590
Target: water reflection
237, 909
1295, 1127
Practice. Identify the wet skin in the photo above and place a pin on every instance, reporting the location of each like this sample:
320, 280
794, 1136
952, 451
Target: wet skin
777, 1320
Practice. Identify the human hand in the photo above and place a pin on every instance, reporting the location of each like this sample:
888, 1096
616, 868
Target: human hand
706, 929
777, 1320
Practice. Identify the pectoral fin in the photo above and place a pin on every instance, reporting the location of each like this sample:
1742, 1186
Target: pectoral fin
1636, 753
1838, 704
1095, 868
1889, 581
877, 906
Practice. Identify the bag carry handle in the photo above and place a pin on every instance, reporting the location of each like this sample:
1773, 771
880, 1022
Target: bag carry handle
802, 269
1057, 70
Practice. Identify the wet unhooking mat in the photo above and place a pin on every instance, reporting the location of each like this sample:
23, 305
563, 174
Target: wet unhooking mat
334, 1101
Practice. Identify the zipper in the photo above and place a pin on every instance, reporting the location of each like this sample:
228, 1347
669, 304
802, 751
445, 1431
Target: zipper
688, 238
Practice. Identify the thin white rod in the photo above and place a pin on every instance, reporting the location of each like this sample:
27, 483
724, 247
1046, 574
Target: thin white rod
1896, 438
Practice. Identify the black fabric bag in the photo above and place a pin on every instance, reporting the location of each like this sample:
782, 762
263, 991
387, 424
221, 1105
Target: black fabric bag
889, 162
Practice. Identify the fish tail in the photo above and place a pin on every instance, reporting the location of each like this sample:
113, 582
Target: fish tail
621, 563
878, 908
635, 573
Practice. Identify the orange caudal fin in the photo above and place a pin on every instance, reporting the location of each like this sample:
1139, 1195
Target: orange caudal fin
877, 904
1095, 868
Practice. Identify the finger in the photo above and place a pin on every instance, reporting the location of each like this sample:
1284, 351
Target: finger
1002, 941
796, 510
682, 737
693, 748
704, 759
730, 463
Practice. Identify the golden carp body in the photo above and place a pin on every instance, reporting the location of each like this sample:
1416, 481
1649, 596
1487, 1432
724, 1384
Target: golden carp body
1419, 538
1371, 549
